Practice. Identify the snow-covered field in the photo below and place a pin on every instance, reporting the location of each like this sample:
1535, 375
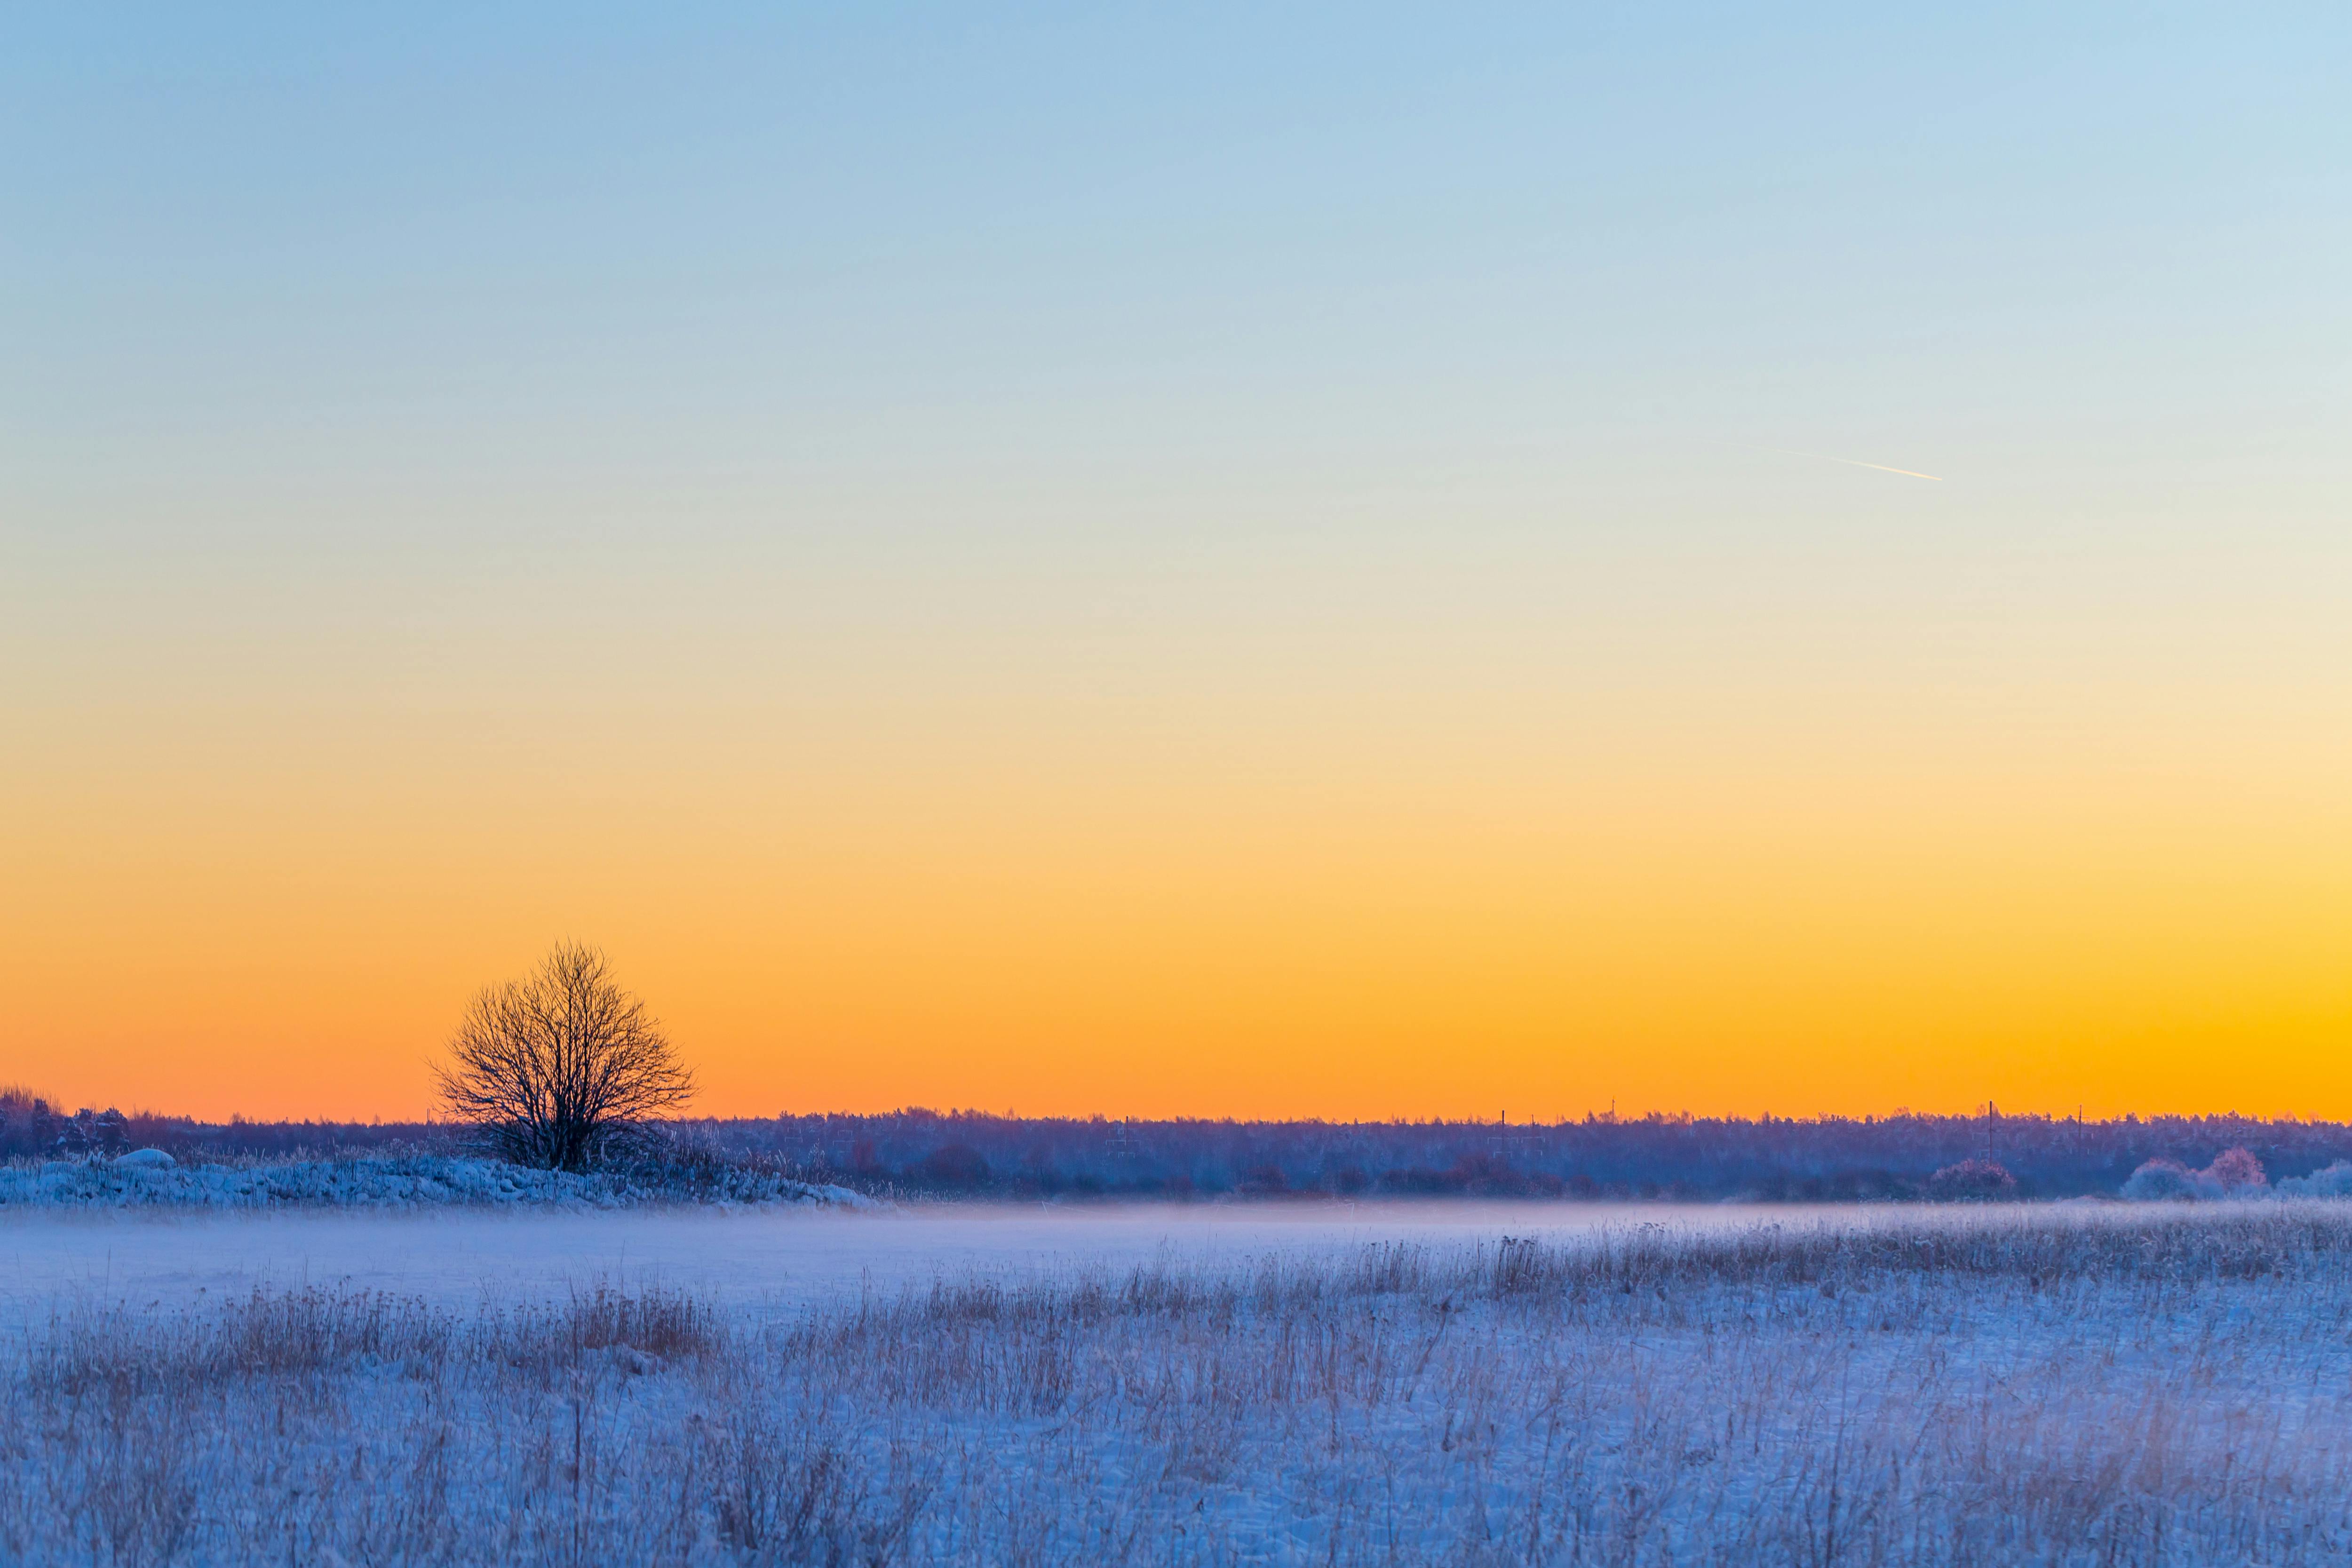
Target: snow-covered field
150, 1179
2104, 1385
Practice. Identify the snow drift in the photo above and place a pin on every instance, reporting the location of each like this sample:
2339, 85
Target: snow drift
397, 1181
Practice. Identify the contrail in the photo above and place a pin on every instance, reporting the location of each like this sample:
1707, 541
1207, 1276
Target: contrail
1855, 462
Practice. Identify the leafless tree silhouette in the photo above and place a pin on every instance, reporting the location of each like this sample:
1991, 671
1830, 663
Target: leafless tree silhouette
553, 1070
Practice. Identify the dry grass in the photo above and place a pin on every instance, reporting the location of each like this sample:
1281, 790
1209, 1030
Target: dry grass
2125, 1387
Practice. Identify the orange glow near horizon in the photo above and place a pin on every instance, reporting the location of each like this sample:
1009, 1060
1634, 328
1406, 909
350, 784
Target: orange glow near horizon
1320, 923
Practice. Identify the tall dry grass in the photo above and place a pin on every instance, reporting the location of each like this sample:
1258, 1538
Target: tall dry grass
2137, 1386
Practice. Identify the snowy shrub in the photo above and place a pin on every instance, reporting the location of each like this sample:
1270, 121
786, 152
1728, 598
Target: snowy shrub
2235, 1173
2334, 1181
2167, 1179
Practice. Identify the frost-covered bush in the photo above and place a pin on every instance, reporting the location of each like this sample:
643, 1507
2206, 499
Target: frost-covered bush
2235, 1173
2334, 1181
2159, 1179
403, 1181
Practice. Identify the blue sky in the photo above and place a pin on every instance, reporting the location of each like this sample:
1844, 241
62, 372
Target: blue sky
517, 244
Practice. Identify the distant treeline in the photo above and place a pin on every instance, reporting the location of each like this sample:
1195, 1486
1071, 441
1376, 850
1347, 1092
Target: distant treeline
1602, 1157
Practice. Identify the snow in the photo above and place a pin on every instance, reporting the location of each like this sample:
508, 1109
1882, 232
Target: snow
1220, 1384
150, 1178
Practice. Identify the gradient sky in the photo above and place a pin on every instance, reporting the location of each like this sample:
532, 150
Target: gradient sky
1211, 561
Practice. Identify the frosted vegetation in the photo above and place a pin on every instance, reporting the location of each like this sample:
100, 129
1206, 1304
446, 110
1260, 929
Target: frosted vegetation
147, 1178
2335, 1182
2123, 1383
2235, 1173
693, 1172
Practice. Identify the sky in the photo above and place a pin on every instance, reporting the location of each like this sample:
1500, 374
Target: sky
1302, 560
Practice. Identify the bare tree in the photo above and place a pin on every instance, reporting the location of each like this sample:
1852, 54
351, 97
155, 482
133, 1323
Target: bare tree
553, 1069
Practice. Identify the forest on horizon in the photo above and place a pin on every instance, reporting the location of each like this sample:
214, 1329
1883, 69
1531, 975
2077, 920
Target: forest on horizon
918, 1151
